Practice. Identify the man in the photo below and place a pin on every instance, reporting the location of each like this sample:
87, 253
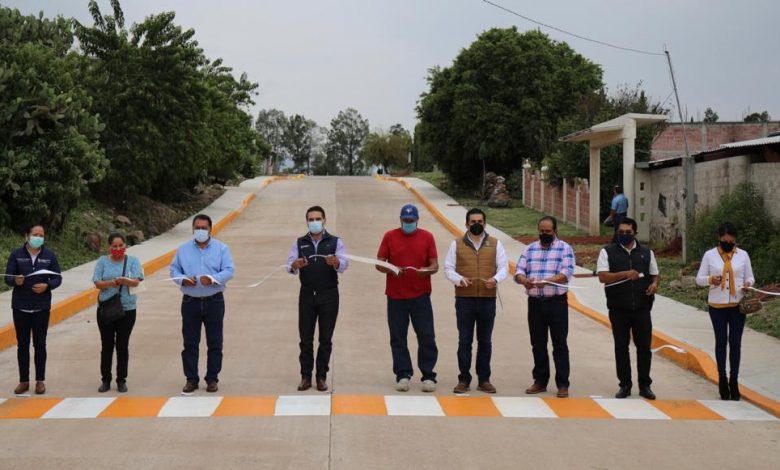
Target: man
202, 267
318, 258
619, 209
629, 303
31, 304
409, 297
543, 263
475, 263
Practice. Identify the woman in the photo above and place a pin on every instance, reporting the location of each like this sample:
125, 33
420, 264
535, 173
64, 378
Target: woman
110, 279
727, 271
31, 304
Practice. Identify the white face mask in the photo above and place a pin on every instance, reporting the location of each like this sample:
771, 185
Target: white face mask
201, 235
315, 227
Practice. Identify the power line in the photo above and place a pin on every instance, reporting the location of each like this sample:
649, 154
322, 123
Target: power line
639, 51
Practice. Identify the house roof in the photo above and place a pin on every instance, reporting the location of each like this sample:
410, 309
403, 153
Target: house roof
610, 132
730, 149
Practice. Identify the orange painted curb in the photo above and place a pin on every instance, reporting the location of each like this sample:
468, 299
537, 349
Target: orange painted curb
694, 359
67, 308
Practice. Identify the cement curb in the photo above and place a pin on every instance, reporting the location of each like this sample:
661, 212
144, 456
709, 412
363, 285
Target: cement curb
694, 359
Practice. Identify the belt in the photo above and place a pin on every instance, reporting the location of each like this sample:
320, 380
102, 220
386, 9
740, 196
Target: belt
216, 296
548, 298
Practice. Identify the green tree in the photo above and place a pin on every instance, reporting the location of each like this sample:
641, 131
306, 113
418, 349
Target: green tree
387, 149
510, 90
271, 124
757, 117
710, 116
348, 131
49, 147
298, 142
421, 160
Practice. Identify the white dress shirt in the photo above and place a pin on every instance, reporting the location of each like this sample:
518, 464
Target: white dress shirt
712, 265
502, 268
602, 264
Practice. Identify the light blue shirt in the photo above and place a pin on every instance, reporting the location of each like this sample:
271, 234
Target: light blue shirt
214, 260
620, 204
107, 269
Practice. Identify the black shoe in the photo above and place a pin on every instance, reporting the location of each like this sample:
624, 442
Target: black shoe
623, 392
189, 388
104, 387
212, 386
723, 388
121, 387
734, 389
646, 392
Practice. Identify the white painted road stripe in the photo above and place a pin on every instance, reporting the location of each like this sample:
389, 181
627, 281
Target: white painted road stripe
523, 407
413, 406
737, 410
185, 407
303, 405
78, 408
630, 409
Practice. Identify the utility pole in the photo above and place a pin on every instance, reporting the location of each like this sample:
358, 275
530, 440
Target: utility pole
689, 169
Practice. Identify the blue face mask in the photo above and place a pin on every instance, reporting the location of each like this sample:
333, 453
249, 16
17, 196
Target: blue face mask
36, 242
315, 227
409, 227
625, 240
201, 235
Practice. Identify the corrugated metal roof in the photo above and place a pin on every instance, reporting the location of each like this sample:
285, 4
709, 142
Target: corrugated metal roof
752, 143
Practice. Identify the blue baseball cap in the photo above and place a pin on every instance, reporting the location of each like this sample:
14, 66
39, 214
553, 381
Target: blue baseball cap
409, 211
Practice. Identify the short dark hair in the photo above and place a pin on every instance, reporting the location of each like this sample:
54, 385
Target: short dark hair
31, 227
628, 221
315, 209
727, 228
114, 235
475, 211
618, 189
551, 219
201, 217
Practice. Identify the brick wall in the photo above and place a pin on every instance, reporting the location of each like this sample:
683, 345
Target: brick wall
669, 142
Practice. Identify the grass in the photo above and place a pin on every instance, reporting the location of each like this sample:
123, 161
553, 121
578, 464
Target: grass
520, 221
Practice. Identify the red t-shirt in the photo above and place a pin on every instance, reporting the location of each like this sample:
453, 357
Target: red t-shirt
407, 250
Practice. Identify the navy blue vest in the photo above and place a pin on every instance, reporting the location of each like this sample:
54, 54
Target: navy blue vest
318, 275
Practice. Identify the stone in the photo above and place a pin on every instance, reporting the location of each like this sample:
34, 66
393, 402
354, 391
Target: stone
135, 237
499, 195
123, 220
92, 241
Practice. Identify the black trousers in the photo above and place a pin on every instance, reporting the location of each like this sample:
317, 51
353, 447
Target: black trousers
115, 335
317, 308
625, 324
418, 311
480, 313
36, 323
549, 315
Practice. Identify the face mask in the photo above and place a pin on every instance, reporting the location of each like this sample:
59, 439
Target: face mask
546, 238
409, 228
726, 246
36, 242
118, 252
315, 227
201, 235
625, 239
476, 229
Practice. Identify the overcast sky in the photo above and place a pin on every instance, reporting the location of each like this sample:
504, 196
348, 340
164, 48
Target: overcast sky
318, 57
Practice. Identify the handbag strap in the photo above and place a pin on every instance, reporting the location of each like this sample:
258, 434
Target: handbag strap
124, 268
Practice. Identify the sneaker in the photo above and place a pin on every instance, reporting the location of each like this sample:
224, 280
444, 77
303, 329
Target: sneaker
40, 388
428, 386
211, 386
461, 388
104, 387
189, 388
402, 385
22, 388
121, 387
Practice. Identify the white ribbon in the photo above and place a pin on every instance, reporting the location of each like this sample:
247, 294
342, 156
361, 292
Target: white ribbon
641, 275
669, 346
252, 286
395, 269
35, 273
181, 278
764, 291
563, 285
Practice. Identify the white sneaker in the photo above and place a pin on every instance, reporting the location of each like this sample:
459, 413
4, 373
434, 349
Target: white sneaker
428, 386
402, 385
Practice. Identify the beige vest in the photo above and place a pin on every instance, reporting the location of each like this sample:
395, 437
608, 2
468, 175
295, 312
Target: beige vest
475, 265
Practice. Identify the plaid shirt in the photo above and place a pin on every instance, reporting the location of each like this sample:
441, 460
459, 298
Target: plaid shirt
541, 263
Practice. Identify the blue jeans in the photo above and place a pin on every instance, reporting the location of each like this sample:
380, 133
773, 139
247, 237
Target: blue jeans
471, 312
196, 312
728, 324
420, 311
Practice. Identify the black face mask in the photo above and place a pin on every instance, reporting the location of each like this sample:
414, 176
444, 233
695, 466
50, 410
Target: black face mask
726, 246
546, 238
476, 229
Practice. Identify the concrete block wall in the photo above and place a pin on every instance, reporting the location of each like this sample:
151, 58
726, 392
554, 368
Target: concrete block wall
549, 199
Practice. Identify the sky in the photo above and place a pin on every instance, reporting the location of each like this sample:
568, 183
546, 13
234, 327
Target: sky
318, 57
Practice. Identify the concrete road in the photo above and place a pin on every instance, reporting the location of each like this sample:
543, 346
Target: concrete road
261, 359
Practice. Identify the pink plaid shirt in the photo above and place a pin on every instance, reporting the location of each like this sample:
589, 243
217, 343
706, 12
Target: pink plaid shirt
540, 263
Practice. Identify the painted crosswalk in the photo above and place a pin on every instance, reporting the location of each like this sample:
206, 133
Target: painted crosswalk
378, 405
